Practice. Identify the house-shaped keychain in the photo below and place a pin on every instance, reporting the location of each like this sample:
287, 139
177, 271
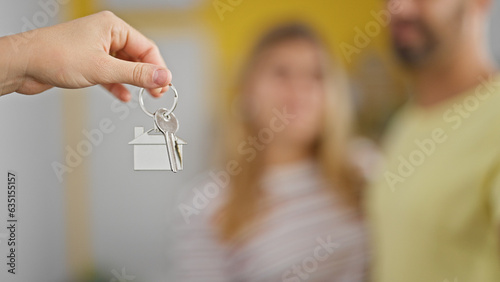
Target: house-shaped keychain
150, 151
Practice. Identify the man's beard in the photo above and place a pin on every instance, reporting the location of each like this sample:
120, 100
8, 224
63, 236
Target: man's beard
417, 55
431, 47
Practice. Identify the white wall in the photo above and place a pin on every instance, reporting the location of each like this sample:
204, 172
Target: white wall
31, 134
494, 30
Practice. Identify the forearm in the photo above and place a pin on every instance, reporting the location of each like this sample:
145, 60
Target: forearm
13, 63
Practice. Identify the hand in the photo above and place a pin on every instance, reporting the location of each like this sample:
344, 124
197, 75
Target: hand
97, 49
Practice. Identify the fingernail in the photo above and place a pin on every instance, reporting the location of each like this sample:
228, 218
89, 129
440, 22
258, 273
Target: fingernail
160, 77
156, 92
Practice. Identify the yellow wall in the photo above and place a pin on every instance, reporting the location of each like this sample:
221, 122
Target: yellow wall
334, 20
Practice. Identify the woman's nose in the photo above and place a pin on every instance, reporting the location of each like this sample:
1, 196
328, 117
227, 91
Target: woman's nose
299, 85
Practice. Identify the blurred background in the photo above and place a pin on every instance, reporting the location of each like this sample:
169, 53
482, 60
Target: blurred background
98, 217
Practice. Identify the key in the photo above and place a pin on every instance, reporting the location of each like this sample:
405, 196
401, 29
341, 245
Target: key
168, 125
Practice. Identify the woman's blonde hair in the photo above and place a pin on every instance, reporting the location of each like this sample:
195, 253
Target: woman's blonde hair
243, 205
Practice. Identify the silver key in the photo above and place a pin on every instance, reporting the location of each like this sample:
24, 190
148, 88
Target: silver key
168, 125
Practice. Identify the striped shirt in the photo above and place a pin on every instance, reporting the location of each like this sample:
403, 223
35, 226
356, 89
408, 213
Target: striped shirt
308, 235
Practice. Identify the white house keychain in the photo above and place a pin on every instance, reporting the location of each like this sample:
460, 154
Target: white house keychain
159, 148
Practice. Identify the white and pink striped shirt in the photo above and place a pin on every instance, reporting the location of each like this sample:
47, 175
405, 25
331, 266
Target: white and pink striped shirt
308, 235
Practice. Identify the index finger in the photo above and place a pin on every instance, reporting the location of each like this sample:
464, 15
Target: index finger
126, 39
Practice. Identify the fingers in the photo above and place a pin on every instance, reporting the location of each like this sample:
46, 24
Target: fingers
154, 92
119, 91
144, 75
122, 93
131, 45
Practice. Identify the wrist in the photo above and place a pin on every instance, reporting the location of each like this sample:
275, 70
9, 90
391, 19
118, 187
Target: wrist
13, 62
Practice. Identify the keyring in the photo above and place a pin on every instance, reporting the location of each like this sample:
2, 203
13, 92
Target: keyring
141, 102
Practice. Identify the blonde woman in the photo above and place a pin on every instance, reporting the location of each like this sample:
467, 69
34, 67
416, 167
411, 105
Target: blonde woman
290, 209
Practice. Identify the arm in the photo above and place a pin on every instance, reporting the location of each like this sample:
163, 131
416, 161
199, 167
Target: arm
97, 49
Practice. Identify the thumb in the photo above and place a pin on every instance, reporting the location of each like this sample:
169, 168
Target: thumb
144, 75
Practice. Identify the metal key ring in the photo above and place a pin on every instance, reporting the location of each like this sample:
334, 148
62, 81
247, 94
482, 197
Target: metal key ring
171, 110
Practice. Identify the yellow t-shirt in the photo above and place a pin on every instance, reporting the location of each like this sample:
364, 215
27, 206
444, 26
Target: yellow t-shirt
434, 210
